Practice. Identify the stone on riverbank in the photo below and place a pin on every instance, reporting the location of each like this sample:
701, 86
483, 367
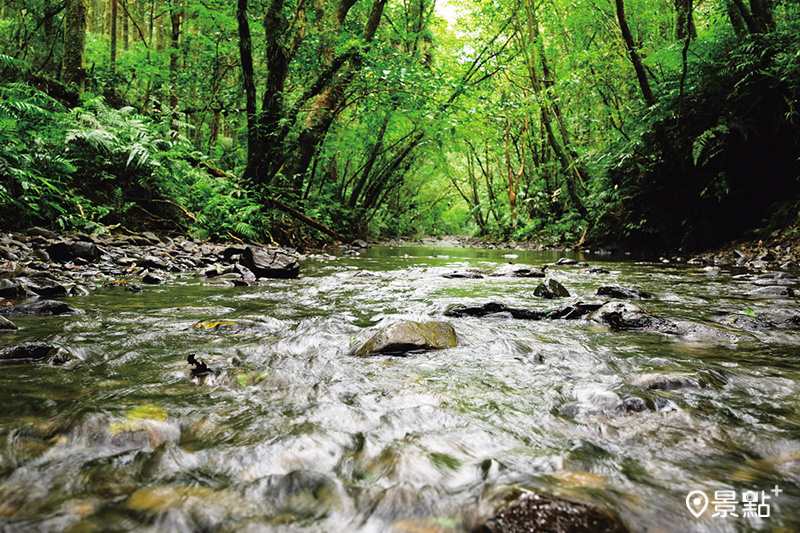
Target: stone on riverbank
271, 263
44, 286
410, 336
7, 325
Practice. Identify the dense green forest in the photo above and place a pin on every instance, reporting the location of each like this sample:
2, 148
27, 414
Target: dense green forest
646, 123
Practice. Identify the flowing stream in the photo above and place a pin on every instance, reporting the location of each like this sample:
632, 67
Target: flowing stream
295, 434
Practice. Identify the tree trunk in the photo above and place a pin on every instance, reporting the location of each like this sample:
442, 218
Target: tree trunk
113, 34
175, 25
326, 108
373, 156
125, 30
684, 23
736, 19
248, 80
752, 24
641, 75
74, 70
762, 14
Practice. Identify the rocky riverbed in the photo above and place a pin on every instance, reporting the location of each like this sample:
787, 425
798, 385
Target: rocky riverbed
388, 389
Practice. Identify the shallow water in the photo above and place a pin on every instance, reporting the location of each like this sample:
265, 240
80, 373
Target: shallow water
295, 434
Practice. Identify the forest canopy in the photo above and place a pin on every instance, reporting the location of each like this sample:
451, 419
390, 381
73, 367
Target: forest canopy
648, 124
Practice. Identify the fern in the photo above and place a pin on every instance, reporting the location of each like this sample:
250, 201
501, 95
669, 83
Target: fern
709, 144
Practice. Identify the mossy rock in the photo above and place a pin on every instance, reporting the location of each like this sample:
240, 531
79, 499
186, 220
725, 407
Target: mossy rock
222, 325
410, 336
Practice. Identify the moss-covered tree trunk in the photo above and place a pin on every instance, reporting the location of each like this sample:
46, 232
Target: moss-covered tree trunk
74, 69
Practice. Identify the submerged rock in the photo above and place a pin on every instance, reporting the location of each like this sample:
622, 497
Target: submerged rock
493, 308
271, 263
551, 514
410, 336
622, 293
465, 274
667, 382
779, 317
772, 291
628, 315
518, 271
33, 353
39, 308
152, 279
551, 289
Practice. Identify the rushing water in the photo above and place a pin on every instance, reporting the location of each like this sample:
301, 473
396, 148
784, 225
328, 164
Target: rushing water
295, 434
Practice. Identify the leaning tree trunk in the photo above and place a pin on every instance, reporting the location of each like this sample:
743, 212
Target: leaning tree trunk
74, 70
641, 74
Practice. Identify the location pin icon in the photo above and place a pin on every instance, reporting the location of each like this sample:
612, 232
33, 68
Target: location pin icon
697, 502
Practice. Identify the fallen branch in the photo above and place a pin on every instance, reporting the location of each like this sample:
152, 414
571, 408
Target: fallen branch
185, 212
294, 213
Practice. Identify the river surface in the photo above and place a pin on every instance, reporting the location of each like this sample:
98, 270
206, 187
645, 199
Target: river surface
295, 434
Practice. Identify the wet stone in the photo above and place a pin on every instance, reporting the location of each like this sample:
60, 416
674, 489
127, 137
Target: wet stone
464, 274
518, 271
12, 289
630, 316
152, 262
44, 286
551, 289
271, 263
772, 291
39, 308
42, 232
7, 325
622, 293
552, 514
32, 353
667, 382
152, 279
631, 404
410, 336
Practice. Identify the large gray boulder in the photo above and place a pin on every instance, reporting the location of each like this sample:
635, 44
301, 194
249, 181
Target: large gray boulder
271, 262
410, 336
